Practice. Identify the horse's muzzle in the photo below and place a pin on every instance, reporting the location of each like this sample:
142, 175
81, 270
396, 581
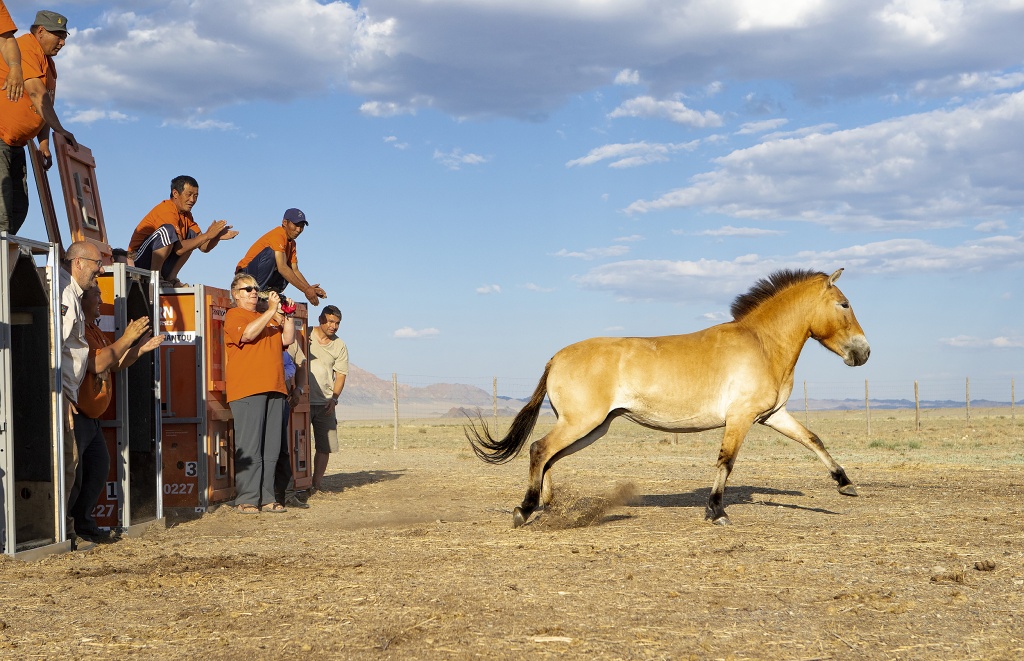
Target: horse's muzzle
857, 351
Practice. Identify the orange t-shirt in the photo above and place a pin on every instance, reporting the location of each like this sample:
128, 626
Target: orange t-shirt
19, 122
164, 213
278, 241
95, 391
254, 367
6, 22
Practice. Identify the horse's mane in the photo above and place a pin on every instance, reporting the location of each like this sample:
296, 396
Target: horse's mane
766, 288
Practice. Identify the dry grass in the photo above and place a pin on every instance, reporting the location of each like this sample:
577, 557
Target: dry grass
410, 554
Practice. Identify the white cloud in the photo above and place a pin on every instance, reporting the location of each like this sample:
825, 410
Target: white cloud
96, 115
409, 333
393, 141
761, 126
729, 230
991, 226
537, 288
200, 124
632, 238
467, 59
455, 159
929, 170
385, 109
594, 253
489, 289
968, 342
708, 279
632, 154
627, 77
647, 107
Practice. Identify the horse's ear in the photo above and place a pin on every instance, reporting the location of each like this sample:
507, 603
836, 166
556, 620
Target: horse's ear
835, 276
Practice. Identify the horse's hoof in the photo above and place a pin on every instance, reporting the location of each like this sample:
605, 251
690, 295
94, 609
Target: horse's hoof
722, 521
848, 490
518, 520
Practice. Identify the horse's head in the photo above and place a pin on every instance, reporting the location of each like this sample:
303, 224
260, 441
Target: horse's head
837, 328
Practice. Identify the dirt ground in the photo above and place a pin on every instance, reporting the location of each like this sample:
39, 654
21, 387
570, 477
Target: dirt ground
410, 554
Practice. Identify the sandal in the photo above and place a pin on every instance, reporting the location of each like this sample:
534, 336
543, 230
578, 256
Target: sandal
247, 509
274, 508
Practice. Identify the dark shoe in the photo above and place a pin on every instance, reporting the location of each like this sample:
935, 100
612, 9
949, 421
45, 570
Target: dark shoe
95, 535
274, 508
293, 501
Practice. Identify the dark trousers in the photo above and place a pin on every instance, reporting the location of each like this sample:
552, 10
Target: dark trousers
283, 470
91, 474
13, 187
263, 268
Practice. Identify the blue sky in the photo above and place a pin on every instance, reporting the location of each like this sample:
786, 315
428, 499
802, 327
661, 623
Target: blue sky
490, 180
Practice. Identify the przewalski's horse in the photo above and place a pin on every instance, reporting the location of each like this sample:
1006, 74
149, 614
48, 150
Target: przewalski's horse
731, 375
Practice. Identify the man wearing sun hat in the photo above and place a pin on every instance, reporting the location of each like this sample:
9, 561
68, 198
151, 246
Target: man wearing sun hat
274, 263
30, 117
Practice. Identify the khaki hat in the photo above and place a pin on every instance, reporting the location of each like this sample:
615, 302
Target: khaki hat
51, 21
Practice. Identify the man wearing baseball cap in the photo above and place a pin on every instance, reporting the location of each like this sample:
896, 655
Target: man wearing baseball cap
30, 117
273, 261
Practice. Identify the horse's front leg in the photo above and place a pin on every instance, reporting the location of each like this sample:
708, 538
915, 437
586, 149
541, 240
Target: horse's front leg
784, 423
735, 431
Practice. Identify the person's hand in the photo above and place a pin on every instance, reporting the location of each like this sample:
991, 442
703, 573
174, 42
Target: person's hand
274, 301
70, 137
137, 328
330, 406
216, 227
293, 397
44, 151
311, 295
15, 83
319, 291
149, 342
228, 233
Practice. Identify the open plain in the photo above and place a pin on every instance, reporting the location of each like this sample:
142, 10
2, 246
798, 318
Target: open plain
409, 554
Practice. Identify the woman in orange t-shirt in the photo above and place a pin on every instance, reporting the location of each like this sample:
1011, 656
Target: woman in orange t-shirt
254, 339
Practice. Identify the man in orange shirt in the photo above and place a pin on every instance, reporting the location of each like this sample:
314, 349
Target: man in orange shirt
14, 84
168, 234
32, 116
93, 400
273, 262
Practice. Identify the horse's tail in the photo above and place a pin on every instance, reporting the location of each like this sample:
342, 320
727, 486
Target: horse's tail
500, 451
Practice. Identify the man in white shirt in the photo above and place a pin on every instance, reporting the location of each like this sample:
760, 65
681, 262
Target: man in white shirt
328, 369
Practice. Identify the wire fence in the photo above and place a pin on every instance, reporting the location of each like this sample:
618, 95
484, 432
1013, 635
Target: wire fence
399, 397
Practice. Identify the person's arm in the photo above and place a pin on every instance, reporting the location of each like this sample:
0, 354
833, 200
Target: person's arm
313, 293
15, 83
287, 330
339, 385
110, 356
255, 327
144, 346
218, 230
36, 90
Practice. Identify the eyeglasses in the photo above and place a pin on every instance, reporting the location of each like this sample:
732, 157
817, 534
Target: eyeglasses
248, 290
99, 262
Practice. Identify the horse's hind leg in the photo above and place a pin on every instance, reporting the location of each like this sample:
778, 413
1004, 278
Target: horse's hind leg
784, 423
735, 431
565, 439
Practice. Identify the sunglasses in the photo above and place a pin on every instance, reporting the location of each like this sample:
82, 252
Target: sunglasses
248, 290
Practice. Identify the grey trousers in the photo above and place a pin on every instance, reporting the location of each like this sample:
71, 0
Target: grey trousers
258, 420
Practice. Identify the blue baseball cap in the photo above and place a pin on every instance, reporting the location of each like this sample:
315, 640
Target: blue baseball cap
296, 216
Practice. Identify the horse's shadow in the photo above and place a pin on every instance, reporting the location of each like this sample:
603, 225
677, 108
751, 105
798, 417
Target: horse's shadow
734, 495
338, 482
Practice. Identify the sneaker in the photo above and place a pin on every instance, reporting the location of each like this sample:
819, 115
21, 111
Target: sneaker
293, 501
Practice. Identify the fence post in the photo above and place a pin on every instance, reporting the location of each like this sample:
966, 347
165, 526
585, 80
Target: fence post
807, 413
1013, 399
867, 407
394, 397
495, 397
917, 409
968, 400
